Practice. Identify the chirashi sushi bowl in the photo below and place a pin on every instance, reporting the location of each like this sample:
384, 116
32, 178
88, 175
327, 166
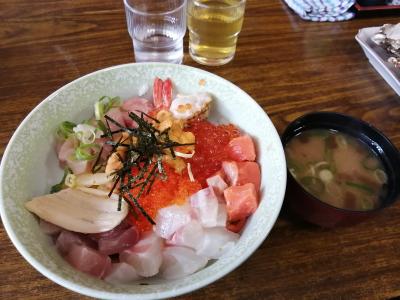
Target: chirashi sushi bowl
30, 168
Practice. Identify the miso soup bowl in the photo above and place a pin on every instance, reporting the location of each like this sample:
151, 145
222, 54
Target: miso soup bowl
313, 210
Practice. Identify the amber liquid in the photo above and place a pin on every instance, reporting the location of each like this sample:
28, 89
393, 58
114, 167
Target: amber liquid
214, 26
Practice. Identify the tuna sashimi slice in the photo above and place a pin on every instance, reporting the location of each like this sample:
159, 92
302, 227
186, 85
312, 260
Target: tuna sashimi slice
217, 241
116, 231
191, 235
67, 239
169, 219
206, 204
241, 201
217, 183
242, 148
88, 260
116, 244
145, 256
240, 173
121, 273
180, 261
236, 226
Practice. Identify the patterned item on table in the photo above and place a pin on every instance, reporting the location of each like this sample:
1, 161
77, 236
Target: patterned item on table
322, 10
393, 2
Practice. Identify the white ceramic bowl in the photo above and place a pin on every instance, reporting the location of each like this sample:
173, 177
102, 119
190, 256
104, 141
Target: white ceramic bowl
29, 167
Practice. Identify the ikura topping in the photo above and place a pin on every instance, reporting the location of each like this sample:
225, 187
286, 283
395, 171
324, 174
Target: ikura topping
150, 187
211, 143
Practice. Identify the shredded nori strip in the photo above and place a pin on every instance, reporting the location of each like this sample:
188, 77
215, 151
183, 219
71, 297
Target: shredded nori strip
145, 155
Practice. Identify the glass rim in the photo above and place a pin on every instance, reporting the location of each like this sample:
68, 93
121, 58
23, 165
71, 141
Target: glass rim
144, 13
203, 5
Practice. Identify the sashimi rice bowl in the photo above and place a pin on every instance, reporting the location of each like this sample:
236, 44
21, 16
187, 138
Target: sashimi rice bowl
142, 181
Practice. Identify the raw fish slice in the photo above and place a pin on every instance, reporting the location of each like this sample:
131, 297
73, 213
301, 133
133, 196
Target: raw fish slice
66, 155
79, 166
241, 201
116, 244
222, 215
231, 172
236, 226
217, 183
206, 203
240, 173
78, 211
145, 256
169, 219
66, 150
117, 115
242, 148
116, 231
66, 240
121, 273
191, 235
88, 260
180, 261
49, 228
217, 241
135, 105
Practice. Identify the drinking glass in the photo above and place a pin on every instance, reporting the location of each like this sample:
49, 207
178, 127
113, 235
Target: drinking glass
157, 28
214, 26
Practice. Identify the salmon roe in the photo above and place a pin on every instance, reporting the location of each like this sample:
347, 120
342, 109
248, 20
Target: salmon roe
211, 143
174, 190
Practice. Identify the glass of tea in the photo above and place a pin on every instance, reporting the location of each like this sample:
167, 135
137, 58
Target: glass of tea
214, 27
157, 28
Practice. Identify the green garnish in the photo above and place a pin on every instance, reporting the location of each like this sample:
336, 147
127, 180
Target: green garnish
145, 155
86, 151
104, 104
59, 186
65, 129
360, 186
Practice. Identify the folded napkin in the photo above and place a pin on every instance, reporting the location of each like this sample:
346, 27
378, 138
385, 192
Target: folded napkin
322, 10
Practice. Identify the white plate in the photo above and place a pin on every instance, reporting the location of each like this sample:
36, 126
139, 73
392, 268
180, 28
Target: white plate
29, 167
378, 57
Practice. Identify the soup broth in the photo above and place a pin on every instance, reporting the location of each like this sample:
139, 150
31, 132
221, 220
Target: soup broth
337, 168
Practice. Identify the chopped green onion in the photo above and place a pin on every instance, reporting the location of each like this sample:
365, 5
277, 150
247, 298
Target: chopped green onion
65, 129
85, 151
99, 110
102, 126
59, 186
360, 186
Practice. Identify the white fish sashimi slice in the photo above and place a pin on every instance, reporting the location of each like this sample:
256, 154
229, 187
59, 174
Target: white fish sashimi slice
121, 273
169, 219
191, 235
217, 183
222, 215
75, 210
145, 256
206, 203
180, 261
217, 241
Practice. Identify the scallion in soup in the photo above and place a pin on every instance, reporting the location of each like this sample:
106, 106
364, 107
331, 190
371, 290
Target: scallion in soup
337, 168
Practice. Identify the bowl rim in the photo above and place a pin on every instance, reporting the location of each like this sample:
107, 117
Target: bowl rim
293, 129
92, 292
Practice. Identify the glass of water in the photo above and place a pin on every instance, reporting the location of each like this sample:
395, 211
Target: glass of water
157, 28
